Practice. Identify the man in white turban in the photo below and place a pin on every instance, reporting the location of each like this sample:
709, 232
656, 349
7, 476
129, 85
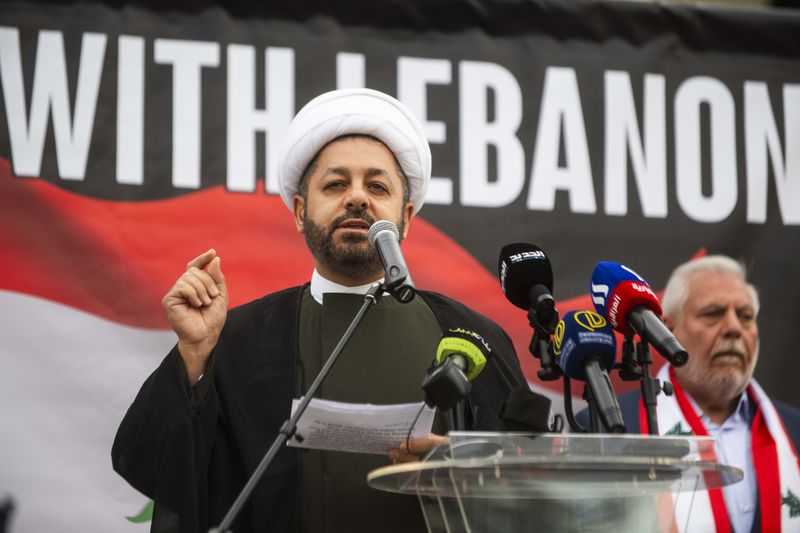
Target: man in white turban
204, 419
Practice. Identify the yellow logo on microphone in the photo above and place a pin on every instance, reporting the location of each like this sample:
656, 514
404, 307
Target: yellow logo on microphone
589, 320
558, 337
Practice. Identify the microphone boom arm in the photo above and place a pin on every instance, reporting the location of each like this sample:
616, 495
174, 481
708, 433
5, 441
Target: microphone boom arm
289, 427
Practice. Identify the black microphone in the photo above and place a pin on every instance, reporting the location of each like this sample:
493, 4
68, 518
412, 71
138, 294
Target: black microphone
526, 277
385, 238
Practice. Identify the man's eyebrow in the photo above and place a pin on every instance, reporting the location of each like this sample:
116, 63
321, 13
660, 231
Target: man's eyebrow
341, 171
712, 306
345, 172
373, 172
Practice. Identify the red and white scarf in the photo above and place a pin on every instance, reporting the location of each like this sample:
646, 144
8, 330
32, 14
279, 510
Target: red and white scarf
774, 458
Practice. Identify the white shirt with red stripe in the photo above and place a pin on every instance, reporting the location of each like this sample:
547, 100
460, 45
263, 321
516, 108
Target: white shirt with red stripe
734, 448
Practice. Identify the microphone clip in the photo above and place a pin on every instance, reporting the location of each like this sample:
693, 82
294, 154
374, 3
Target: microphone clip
445, 385
540, 346
628, 369
542, 315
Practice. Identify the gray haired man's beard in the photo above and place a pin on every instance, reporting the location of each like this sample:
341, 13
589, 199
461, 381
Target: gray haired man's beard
354, 262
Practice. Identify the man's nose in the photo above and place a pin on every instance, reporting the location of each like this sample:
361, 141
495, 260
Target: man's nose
357, 198
732, 324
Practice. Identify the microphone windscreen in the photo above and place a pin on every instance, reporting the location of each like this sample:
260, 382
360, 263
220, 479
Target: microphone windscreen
616, 289
520, 267
380, 226
581, 335
474, 348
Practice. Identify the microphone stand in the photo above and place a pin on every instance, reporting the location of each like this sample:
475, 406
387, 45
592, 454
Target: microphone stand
650, 386
595, 423
540, 343
289, 427
455, 417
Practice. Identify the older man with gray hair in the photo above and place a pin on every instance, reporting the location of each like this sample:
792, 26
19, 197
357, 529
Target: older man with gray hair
712, 309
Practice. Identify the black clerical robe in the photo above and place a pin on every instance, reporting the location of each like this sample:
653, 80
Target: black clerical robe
194, 461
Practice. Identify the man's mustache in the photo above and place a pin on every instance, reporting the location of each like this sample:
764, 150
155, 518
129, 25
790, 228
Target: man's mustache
730, 350
351, 215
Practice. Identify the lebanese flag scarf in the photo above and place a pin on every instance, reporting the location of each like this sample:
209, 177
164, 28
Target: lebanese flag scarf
775, 460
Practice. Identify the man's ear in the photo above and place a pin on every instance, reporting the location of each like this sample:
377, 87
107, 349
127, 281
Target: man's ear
408, 214
669, 322
299, 212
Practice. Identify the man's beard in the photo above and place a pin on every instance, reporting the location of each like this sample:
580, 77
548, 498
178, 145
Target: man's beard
348, 258
716, 384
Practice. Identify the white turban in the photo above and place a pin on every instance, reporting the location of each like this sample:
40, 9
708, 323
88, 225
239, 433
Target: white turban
355, 111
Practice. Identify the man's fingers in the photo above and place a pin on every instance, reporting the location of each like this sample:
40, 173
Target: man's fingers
200, 284
196, 282
206, 279
397, 455
187, 292
424, 444
202, 260
215, 271
415, 448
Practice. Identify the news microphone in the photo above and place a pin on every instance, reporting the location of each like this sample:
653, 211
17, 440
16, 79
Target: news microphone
629, 304
460, 357
385, 238
526, 278
585, 349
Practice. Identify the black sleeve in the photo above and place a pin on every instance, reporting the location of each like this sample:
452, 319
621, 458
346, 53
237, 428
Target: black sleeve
791, 420
502, 375
502, 386
196, 393
162, 449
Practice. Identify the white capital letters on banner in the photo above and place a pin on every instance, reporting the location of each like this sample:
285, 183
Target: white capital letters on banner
648, 156
187, 59
561, 103
50, 97
689, 98
130, 110
350, 71
244, 120
414, 74
477, 134
763, 145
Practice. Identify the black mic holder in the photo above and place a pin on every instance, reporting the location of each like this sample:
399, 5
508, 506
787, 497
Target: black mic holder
596, 424
629, 369
540, 343
445, 386
636, 361
289, 427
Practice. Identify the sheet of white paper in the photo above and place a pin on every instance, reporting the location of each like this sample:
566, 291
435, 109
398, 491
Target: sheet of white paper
358, 427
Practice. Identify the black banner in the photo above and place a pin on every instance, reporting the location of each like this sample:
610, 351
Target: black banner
643, 134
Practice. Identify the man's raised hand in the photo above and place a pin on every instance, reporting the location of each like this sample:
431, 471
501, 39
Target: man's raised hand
196, 307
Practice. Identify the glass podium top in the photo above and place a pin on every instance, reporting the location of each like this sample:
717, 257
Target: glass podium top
517, 465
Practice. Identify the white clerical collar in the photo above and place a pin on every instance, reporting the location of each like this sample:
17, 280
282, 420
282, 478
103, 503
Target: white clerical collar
320, 286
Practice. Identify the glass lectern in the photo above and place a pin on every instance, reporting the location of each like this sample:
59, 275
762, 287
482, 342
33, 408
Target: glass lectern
513, 482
